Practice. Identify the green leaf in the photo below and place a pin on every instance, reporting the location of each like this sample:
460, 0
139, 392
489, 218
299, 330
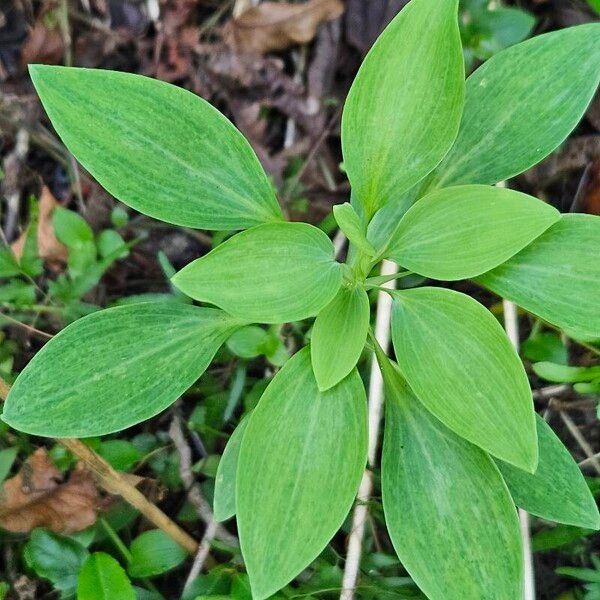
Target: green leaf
154, 553
8, 263
300, 464
564, 374
70, 228
448, 512
557, 490
249, 341
115, 368
158, 148
460, 364
595, 4
224, 500
339, 335
557, 277
463, 231
548, 346
350, 223
7, 458
272, 273
56, 558
521, 104
121, 454
103, 578
404, 107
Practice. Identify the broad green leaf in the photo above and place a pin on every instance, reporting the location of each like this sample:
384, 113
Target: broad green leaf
154, 553
404, 107
460, 364
463, 231
115, 368
557, 490
557, 277
449, 514
103, 578
120, 454
350, 223
56, 558
158, 148
564, 374
521, 104
224, 499
339, 335
300, 464
272, 273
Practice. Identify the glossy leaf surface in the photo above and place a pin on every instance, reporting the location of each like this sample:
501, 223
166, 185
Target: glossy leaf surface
272, 273
448, 511
115, 368
521, 104
404, 107
158, 148
463, 231
339, 335
460, 364
301, 461
557, 490
557, 277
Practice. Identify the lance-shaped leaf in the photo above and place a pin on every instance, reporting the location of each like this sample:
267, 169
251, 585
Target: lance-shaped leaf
301, 461
158, 148
224, 499
339, 336
557, 277
272, 273
514, 117
115, 368
463, 231
403, 109
557, 490
460, 364
449, 514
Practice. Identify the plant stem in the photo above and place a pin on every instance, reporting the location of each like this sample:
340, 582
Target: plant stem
360, 514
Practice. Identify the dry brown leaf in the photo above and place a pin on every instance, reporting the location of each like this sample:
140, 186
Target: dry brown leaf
279, 25
44, 44
35, 497
49, 248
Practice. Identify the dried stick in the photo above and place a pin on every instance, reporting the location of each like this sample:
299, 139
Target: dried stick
114, 483
511, 324
583, 443
359, 517
203, 508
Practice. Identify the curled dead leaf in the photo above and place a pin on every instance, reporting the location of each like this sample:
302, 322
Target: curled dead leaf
35, 497
278, 25
49, 248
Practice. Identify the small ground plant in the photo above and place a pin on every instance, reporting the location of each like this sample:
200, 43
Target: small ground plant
422, 149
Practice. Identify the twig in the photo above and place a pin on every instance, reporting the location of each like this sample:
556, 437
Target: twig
29, 328
114, 483
203, 508
583, 443
511, 324
359, 517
